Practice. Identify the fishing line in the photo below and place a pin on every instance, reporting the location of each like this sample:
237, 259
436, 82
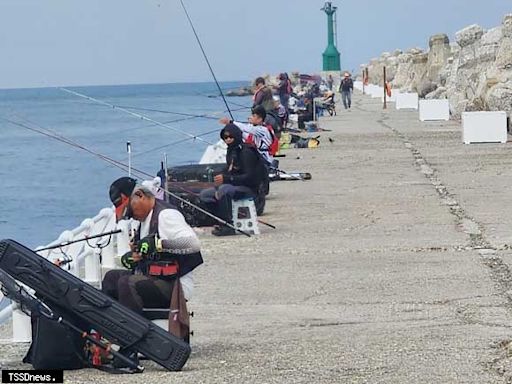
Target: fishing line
174, 143
143, 117
136, 115
118, 164
206, 58
204, 116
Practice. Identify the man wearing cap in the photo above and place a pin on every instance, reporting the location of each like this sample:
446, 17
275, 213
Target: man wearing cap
346, 88
165, 251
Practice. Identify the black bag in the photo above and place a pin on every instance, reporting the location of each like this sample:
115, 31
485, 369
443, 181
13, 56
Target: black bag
54, 346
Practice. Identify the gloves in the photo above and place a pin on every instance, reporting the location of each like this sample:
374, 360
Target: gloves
149, 245
127, 261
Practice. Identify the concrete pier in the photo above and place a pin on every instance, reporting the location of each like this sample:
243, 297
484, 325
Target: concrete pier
390, 266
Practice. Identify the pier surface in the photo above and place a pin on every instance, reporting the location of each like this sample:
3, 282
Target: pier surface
390, 266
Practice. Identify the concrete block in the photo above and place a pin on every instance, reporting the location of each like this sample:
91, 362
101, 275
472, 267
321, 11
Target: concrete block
484, 127
407, 101
358, 85
434, 110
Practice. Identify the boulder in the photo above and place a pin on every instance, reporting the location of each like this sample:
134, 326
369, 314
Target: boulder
469, 35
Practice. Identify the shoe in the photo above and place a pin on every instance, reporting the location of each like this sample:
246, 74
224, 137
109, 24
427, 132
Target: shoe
223, 230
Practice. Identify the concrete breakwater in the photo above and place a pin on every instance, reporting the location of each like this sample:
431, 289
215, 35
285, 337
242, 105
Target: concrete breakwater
474, 73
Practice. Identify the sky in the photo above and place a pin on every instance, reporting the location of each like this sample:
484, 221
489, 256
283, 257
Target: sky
96, 42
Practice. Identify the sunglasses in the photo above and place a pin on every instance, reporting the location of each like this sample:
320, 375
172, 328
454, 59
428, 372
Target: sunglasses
228, 137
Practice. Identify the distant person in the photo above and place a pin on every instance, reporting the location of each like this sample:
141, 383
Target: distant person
346, 89
330, 82
284, 89
307, 114
262, 95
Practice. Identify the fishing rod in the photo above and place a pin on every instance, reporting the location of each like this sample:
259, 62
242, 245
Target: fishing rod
207, 61
204, 116
66, 243
124, 167
191, 117
174, 143
136, 115
213, 74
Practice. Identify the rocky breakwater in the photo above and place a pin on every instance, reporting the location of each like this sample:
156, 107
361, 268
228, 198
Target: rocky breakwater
270, 80
474, 73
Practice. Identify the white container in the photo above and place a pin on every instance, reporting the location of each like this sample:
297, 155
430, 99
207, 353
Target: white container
407, 101
484, 127
434, 110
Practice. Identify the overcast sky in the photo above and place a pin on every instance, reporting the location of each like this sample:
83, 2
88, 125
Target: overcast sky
85, 42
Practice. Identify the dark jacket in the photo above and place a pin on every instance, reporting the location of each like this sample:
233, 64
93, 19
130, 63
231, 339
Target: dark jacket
346, 85
243, 162
186, 262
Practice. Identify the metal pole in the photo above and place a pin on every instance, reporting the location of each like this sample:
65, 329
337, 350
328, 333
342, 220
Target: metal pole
385, 91
363, 82
129, 150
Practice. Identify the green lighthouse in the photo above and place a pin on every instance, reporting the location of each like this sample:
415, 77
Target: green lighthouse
331, 55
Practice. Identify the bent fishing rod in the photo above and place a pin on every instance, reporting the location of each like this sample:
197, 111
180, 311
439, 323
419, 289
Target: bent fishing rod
215, 78
206, 59
124, 167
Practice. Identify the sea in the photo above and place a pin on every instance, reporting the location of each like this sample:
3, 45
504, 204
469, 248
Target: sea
50, 185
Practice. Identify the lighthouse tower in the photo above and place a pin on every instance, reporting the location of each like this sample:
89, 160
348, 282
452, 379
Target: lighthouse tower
331, 56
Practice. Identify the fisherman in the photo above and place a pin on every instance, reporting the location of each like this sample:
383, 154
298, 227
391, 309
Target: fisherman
258, 133
307, 114
165, 251
242, 177
262, 95
284, 89
346, 89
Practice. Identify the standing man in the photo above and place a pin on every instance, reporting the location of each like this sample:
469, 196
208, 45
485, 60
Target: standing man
346, 89
165, 251
262, 95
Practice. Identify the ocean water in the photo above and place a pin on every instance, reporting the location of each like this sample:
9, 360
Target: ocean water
49, 186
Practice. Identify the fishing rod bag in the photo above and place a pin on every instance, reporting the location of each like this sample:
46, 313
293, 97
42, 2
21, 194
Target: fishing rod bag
76, 299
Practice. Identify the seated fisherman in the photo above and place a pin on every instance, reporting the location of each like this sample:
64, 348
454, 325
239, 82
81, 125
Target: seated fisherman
165, 251
256, 132
242, 177
306, 115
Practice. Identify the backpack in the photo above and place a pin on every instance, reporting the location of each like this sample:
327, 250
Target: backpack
289, 89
